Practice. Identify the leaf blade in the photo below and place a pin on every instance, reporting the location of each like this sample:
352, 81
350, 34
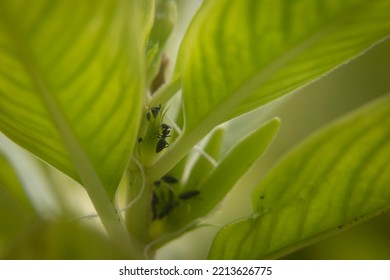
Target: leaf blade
53, 105
248, 45
215, 186
56, 77
239, 55
335, 179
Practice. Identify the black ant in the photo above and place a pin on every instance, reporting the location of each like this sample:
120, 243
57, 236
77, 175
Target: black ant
162, 142
165, 129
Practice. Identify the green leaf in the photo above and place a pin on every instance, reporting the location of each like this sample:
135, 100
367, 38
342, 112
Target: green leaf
240, 54
206, 161
251, 52
214, 187
71, 89
71, 86
147, 18
337, 178
164, 22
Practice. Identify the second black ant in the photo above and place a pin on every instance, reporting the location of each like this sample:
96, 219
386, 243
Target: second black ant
162, 142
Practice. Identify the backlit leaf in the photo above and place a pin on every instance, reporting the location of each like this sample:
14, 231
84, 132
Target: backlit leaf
337, 178
242, 54
71, 83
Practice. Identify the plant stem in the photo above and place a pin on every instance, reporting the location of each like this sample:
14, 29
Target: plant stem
138, 216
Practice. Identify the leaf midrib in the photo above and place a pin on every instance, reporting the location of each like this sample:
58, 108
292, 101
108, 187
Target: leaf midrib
84, 167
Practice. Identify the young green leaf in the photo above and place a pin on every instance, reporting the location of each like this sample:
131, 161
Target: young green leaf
164, 22
147, 18
214, 187
238, 55
206, 161
337, 178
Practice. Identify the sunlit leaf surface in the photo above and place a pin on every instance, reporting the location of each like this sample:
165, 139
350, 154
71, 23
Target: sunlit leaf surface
338, 177
241, 54
71, 83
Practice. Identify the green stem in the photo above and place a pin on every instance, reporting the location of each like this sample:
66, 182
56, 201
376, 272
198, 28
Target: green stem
138, 214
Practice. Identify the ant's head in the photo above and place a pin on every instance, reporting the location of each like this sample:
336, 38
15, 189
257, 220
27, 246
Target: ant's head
165, 126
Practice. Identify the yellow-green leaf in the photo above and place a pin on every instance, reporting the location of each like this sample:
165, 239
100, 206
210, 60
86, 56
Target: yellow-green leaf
71, 83
337, 178
241, 54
